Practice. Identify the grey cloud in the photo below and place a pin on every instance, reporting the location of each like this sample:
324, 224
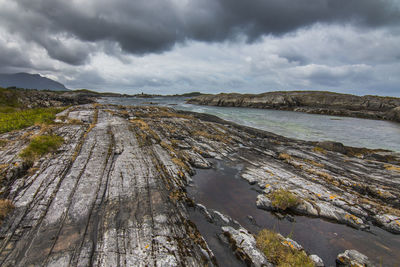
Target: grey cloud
12, 59
143, 26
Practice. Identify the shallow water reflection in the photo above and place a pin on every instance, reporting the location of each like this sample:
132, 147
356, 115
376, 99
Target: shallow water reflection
222, 189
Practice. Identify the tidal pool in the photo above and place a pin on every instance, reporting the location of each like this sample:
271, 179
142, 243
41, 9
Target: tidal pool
221, 188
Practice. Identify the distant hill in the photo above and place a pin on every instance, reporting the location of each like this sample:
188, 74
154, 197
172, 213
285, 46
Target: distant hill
30, 81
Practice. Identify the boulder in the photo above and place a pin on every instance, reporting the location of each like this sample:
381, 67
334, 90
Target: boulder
352, 258
317, 260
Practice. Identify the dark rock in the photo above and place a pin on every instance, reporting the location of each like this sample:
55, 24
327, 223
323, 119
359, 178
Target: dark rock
332, 146
289, 217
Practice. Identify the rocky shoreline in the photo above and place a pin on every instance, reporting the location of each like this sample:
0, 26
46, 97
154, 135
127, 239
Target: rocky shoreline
114, 193
29, 98
315, 102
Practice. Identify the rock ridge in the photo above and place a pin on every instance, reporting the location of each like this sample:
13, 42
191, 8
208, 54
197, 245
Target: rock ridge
316, 102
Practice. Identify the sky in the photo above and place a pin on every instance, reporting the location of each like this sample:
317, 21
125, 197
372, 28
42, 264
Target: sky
212, 46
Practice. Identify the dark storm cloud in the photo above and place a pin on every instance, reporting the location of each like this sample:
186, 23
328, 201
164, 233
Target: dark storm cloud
12, 59
144, 26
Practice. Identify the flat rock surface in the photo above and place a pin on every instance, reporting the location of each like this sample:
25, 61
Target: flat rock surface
104, 199
114, 192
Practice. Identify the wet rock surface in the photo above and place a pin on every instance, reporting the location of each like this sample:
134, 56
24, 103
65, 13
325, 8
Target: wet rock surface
352, 258
114, 192
316, 102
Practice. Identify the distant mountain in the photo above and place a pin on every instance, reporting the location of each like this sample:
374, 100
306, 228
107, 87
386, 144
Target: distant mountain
30, 81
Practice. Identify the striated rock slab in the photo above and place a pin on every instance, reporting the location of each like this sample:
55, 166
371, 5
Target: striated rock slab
103, 199
329, 185
245, 245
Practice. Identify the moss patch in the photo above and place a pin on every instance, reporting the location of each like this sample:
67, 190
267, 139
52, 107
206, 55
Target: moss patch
40, 146
271, 244
283, 199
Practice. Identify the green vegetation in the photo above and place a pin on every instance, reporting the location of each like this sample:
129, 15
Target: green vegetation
13, 116
283, 199
41, 145
19, 119
9, 98
281, 252
320, 150
6, 207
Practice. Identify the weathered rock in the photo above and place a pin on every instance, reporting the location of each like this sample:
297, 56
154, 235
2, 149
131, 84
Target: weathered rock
318, 262
292, 244
333, 188
264, 203
307, 208
389, 222
352, 258
245, 246
394, 114
104, 200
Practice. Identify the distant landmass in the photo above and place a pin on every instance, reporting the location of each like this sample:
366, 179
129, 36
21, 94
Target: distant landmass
30, 81
317, 102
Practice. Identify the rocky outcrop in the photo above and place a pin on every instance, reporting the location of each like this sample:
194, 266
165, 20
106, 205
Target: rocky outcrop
114, 193
351, 258
108, 197
245, 246
317, 102
37, 99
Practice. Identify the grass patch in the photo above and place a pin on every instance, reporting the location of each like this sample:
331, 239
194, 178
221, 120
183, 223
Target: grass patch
9, 98
283, 199
321, 174
75, 121
284, 156
40, 146
316, 164
320, 150
216, 137
271, 244
140, 123
390, 167
19, 119
6, 206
